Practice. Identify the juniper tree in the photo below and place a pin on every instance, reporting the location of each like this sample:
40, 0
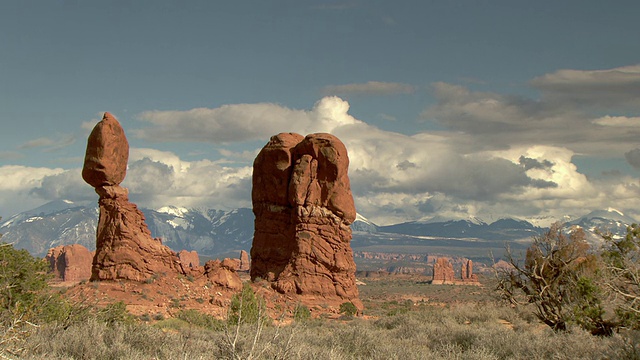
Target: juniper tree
558, 278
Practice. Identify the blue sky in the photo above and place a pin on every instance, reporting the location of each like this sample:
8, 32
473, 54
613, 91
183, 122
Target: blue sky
448, 108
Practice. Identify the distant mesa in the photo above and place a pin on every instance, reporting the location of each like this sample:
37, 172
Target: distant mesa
124, 246
443, 273
303, 207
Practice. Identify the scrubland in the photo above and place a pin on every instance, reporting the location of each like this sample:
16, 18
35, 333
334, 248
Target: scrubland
463, 331
405, 318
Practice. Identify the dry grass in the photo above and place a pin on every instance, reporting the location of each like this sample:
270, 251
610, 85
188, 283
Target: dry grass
423, 332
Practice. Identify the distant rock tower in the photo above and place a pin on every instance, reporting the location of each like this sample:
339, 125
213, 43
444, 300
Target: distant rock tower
443, 273
303, 206
467, 272
124, 246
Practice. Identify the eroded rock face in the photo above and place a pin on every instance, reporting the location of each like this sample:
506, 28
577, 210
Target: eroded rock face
245, 264
467, 271
223, 273
443, 272
124, 246
303, 206
189, 259
70, 262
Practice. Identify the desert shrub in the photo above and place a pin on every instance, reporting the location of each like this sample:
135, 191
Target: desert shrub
22, 279
95, 339
301, 313
622, 280
200, 319
246, 307
433, 333
558, 279
115, 313
172, 323
348, 309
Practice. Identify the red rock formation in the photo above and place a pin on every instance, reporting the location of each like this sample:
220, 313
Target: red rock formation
70, 262
189, 259
443, 272
124, 246
245, 265
467, 271
223, 273
105, 162
303, 206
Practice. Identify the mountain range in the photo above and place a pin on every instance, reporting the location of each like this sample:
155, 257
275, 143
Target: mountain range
215, 232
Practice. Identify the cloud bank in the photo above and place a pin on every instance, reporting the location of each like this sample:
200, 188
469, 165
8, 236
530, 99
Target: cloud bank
497, 155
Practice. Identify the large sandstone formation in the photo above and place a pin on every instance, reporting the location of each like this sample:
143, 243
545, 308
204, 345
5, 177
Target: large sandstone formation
124, 246
303, 206
70, 262
443, 272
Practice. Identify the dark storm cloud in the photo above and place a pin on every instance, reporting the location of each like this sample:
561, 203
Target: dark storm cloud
633, 158
530, 163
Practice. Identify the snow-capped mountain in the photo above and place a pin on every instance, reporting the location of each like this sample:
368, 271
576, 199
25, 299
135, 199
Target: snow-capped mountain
208, 231
62, 222
56, 223
363, 224
609, 220
214, 232
502, 229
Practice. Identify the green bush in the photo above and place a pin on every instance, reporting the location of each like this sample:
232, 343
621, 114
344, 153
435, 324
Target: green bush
246, 307
622, 275
301, 313
348, 309
115, 313
22, 279
200, 319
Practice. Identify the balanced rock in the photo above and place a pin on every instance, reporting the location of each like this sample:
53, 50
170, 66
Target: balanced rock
105, 162
70, 262
124, 246
303, 206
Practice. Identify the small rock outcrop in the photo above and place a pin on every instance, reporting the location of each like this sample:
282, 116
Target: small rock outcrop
124, 246
303, 206
245, 265
223, 273
189, 259
70, 262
